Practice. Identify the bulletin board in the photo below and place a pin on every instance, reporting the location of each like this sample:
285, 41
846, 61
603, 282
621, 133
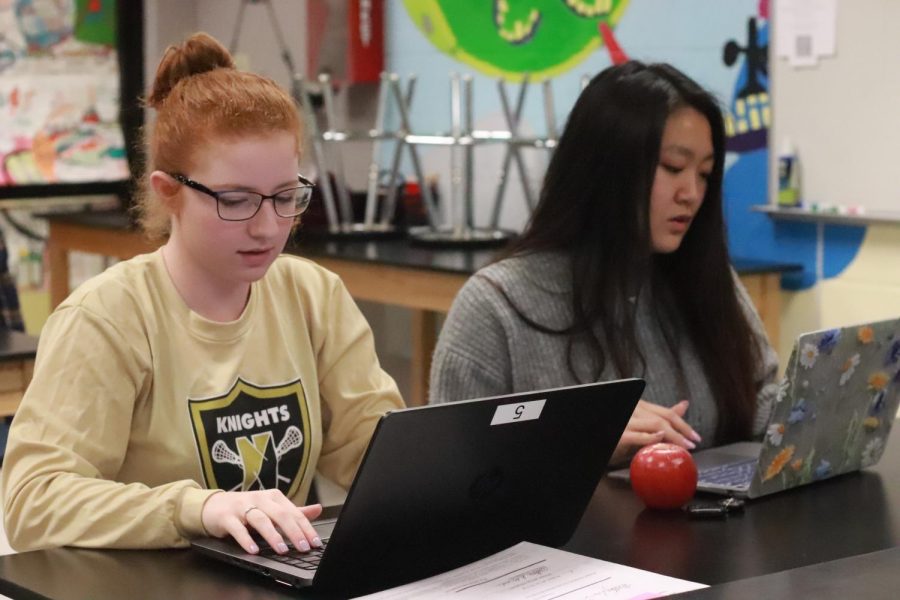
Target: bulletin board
61, 130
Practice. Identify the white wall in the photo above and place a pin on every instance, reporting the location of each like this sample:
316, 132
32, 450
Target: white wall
165, 22
841, 115
842, 118
170, 21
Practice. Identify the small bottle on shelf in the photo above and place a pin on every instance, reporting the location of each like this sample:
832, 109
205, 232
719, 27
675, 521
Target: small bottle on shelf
788, 176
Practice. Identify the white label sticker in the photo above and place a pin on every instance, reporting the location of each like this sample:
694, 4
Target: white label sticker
513, 413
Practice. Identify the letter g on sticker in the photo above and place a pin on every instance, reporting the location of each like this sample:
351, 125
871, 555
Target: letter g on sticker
518, 411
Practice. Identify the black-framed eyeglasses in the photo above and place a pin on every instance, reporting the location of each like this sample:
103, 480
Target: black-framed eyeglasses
241, 205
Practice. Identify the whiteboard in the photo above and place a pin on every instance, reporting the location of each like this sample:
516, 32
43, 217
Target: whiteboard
843, 115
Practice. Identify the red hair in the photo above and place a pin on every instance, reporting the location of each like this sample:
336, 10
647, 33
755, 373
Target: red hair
200, 97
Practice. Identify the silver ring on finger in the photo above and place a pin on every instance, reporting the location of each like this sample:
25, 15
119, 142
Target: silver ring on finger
248, 510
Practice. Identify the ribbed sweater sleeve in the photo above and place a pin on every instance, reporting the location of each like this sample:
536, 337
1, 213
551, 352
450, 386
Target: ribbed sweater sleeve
472, 357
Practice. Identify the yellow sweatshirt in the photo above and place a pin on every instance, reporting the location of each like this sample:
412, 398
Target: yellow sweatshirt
139, 408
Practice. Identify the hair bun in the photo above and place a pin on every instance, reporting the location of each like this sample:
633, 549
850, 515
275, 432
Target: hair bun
200, 53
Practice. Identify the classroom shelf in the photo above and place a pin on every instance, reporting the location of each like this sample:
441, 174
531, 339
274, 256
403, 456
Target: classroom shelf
829, 218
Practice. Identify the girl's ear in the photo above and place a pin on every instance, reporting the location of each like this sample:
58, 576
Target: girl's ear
166, 189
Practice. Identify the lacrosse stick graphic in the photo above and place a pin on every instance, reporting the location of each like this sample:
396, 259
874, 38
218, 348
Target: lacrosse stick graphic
293, 439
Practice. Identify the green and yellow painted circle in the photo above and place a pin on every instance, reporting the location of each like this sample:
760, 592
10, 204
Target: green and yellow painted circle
512, 38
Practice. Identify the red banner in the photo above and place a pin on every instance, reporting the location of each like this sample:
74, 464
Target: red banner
365, 57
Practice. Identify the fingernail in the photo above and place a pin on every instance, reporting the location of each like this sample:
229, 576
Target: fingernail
317, 542
691, 445
254, 548
304, 546
282, 547
696, 436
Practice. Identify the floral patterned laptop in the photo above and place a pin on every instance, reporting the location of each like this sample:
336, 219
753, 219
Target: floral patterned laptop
835, 407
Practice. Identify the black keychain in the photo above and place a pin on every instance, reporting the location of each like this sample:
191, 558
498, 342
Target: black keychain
714, 510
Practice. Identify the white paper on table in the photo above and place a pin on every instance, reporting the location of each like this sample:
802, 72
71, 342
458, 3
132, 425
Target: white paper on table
805, 30
532, 572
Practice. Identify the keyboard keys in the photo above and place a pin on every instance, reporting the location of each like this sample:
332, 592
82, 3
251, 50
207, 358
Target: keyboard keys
736, 475
301, 560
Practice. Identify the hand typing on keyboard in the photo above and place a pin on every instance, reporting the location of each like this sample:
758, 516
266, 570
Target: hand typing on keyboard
267, 512
306, 560
650, 424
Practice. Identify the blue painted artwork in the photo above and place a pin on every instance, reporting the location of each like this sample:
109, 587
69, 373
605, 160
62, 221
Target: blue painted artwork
754, 234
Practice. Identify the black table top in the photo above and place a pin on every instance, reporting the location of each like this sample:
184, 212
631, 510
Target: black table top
848, 516
845, 516
15, 345
392, 251
873, 575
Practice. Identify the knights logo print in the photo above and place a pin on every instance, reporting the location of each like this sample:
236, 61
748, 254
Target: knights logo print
253, 438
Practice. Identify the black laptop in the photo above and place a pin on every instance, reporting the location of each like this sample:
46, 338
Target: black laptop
441, 486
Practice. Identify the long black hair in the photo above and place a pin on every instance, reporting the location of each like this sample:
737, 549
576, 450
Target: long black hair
594, 206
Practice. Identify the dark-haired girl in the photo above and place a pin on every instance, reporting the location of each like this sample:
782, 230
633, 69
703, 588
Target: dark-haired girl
623, 270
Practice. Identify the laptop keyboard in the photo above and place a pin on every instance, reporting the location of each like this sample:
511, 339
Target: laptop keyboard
301, 560
732, 475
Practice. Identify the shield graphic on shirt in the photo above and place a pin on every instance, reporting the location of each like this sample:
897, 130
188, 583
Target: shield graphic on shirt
252, 437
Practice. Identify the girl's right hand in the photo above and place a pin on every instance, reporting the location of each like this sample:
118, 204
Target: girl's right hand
651, 423
268, 512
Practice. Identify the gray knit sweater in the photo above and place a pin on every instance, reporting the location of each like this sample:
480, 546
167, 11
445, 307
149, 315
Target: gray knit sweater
486, 349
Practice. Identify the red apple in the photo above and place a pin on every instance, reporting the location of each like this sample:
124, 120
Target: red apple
664, 475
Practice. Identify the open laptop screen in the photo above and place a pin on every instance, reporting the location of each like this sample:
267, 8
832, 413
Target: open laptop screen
441, 486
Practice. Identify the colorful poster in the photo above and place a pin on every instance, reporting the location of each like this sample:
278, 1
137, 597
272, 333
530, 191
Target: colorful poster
59, 93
